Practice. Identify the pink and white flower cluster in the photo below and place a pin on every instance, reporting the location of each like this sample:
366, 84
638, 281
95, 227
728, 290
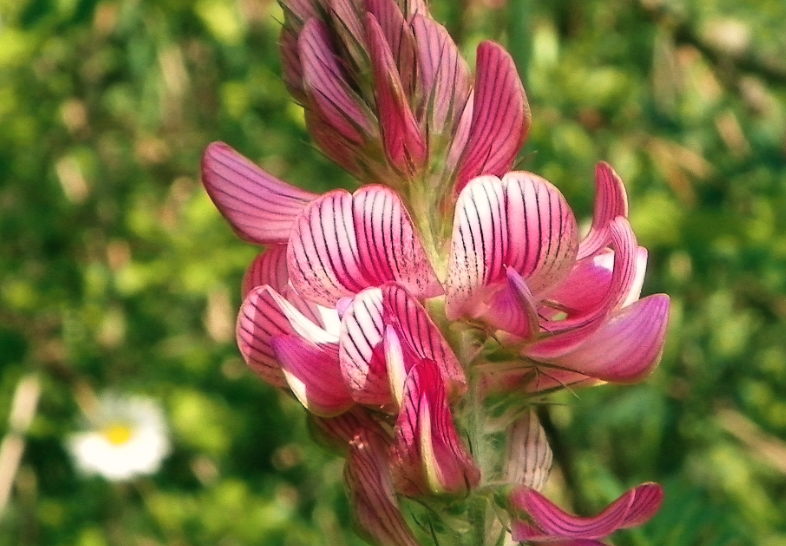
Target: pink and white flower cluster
392, 312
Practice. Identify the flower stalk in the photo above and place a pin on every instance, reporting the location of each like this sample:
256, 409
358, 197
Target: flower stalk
423, 318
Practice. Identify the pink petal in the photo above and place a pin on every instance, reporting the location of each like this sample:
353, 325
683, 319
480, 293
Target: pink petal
550, 522
404, 142
259, 320
574, 330
301, 11
444, 75
545, 379
342, 244
521, 222
500, 120
313, 374
290, 63
349, 28
399, 38
513, 308
361, 352
259, 207
336, 433
343, 152
627, 347
611, 200
528, 455
428, 455
269, 267
461, 134
413, 7
376, 511
263, 315
327, 86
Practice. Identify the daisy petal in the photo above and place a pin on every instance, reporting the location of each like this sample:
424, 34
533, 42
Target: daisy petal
611, 200
501, 117
342, 244
259, 207
313, 374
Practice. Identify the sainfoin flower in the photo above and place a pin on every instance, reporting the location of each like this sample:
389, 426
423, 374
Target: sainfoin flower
125, 437
392, 313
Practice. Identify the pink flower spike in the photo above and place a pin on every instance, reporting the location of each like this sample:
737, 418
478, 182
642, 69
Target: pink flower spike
611, 200
428, 455
259, 207
444, 75
500, 120
376, 511
404, 142
312, 372
344, 243
551, 524
521, 222
625, 349
326, 85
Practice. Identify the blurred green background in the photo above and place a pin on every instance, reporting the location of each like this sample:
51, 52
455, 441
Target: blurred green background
116, 272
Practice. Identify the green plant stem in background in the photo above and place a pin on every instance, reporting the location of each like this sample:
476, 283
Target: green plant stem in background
520, 28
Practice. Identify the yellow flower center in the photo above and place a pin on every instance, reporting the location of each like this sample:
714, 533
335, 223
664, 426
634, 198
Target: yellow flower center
117, 434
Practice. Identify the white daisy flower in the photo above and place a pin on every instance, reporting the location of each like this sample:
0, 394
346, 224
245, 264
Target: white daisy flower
127, 437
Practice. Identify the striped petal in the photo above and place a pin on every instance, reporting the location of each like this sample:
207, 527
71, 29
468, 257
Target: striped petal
444, 75
428, 456
259, 207
611, 200
291, 67
521, 222
312, 373
626, 347
269, 267
405, 145
364, 359
336, 433
344, 243
376, 512
400, 39
551, 523
500, 120
528, 455
349, 27
263, 315
360, 351
326, 84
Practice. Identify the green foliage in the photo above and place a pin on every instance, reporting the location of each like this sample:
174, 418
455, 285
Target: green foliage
116, 272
